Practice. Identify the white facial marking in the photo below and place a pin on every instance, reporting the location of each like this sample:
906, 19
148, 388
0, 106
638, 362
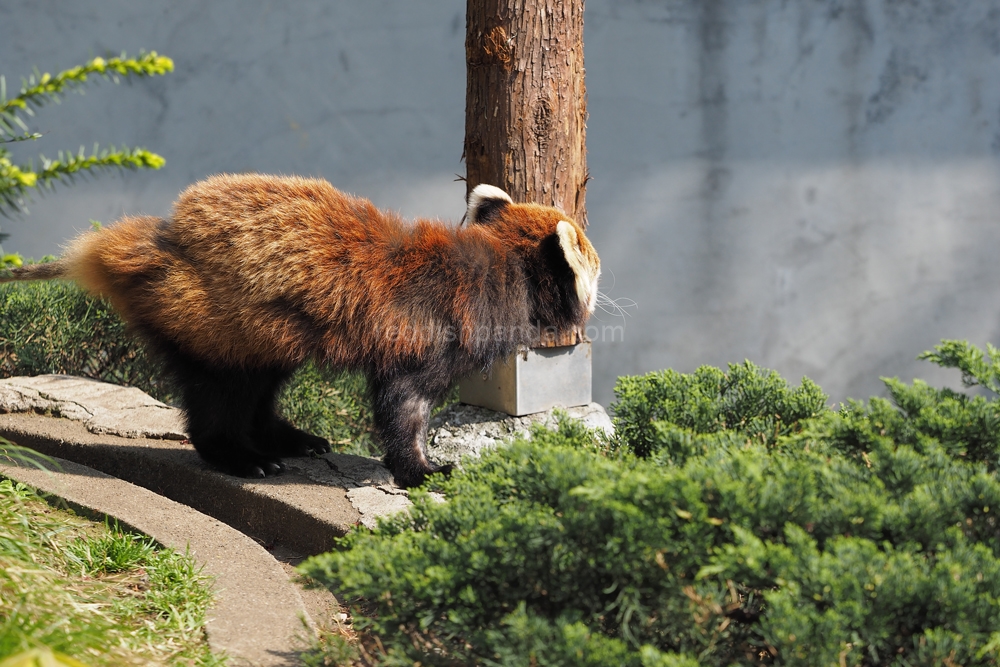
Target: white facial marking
480, 194
586, 275
593, 292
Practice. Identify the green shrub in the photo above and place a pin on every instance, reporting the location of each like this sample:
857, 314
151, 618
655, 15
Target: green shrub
782, 532
668, 412
54, 327
977, 368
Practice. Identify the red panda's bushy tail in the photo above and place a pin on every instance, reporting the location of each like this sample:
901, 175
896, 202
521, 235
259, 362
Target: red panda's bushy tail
44, 271
98, 261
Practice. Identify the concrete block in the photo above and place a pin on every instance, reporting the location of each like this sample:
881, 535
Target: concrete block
533, 380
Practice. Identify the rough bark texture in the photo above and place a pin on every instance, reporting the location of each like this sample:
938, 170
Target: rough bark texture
526, 103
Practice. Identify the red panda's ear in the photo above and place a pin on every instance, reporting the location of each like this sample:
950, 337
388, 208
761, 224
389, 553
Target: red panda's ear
584, 272
485, 202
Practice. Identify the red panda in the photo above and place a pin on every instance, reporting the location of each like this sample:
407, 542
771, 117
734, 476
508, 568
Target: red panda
252, 275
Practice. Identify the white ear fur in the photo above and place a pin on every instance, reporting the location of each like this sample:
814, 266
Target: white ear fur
482, 194
569, 243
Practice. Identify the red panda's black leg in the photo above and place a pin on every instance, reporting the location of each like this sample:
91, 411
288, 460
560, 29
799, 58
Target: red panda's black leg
222, 409
222, 415
401, 409
274, 435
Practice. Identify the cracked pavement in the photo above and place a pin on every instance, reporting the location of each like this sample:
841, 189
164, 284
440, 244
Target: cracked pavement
101, 407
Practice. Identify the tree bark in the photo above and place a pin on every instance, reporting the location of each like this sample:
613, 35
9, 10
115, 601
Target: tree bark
526, 102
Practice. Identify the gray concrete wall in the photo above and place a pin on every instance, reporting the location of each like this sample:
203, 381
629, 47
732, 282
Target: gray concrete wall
811, 185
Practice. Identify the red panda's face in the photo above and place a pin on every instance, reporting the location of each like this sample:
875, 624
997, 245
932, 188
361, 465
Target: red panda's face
549, 240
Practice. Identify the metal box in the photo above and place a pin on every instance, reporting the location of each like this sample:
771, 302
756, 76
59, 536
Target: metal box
533, 380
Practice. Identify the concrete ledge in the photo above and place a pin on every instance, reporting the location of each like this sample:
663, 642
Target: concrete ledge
304, 510
101, 407
125, 433
129, 463
467, 430
258, 613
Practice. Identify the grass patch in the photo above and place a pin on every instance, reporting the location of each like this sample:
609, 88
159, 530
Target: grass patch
332, 405
93, 592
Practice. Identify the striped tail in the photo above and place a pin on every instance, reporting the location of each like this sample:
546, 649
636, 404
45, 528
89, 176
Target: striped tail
44, 271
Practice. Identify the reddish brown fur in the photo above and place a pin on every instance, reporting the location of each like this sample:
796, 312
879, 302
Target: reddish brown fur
255, 274
246, 255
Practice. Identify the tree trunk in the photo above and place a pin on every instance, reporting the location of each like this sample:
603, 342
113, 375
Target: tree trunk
526, 103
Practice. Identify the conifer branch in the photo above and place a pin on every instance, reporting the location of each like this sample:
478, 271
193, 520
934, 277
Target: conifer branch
38, 89
16, 181
977, 368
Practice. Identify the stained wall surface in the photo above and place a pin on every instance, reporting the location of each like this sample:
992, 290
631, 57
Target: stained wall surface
811, 185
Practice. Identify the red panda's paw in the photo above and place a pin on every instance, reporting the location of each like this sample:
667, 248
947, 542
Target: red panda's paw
257, 469
444, 470
253, 469
237, 457
267, 469
286, 440
408, 477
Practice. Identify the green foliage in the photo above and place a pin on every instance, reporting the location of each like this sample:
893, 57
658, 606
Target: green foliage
525, 637
39, 89
331, 404
915, 418
110, 553
54, 327
775, 531
977, 368
670, 413
16, 181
